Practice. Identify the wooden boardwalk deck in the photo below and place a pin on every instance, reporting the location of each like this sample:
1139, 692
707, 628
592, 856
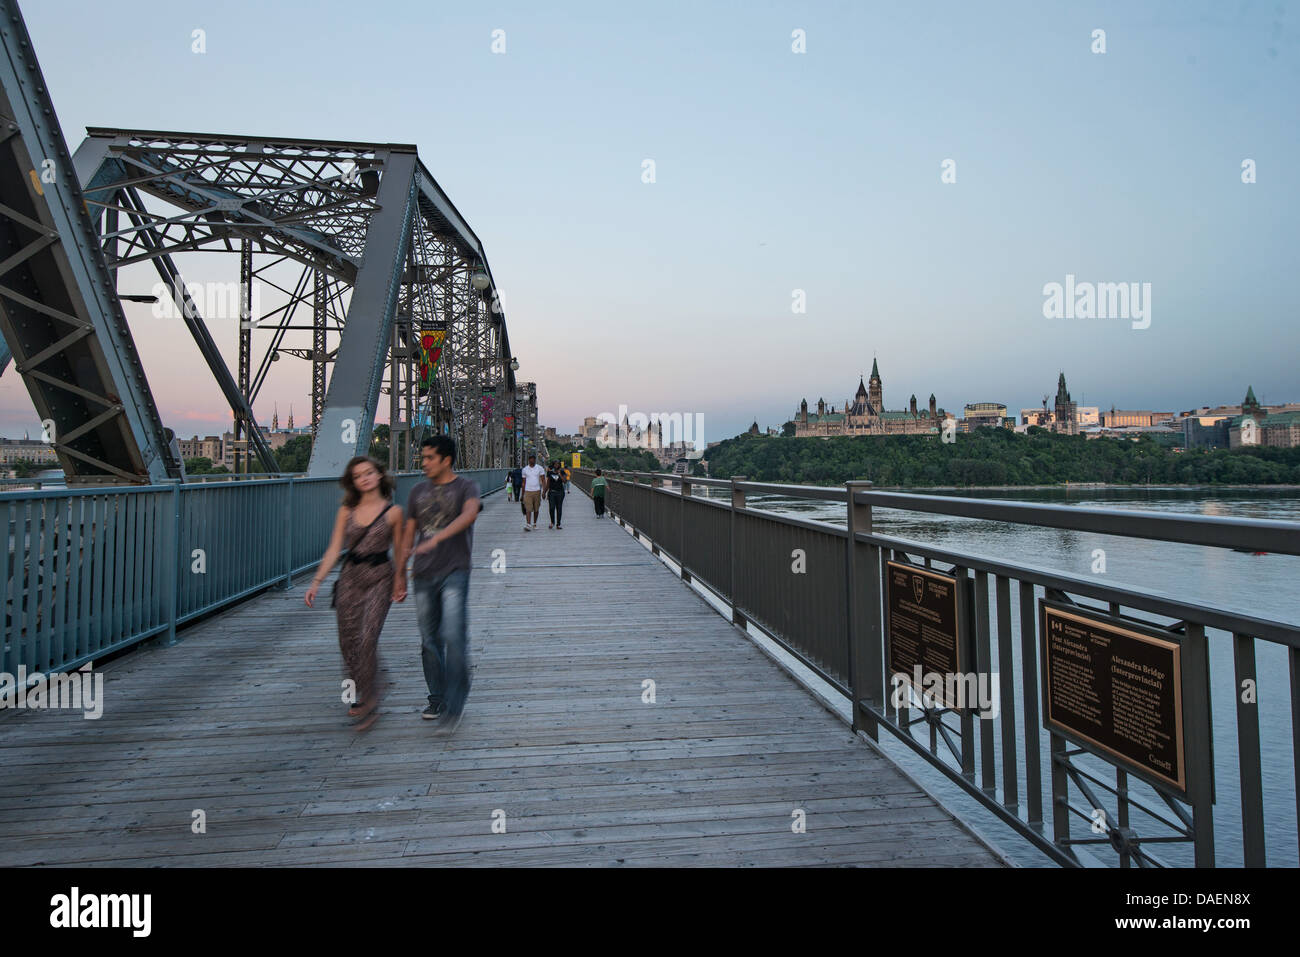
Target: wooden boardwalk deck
243, 721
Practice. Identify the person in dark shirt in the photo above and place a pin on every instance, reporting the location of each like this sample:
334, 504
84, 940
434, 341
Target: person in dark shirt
441, 513
555, 479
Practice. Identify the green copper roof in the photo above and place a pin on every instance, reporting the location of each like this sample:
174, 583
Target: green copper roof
1250, 396
875, 373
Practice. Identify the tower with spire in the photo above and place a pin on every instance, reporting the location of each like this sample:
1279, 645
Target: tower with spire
1250, 405
1065, 418
275, 418
858, 405
290, 416
876, 395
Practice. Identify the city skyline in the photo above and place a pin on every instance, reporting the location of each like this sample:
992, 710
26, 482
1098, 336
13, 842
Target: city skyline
784, 179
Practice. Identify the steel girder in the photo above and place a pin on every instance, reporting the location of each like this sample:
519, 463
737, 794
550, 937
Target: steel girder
367, 222
59, 314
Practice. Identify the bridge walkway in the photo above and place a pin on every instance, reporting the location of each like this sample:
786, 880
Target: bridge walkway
560, 747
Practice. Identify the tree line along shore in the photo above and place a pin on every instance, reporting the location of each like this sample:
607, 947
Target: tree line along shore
990, 457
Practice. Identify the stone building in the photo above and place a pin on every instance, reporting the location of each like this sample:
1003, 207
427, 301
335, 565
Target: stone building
1256, 425
865, 414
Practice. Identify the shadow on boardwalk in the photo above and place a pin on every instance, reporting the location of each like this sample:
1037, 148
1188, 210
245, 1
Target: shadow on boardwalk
243, 721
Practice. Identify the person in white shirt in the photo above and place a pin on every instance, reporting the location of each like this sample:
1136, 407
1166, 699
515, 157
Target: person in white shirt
533, 475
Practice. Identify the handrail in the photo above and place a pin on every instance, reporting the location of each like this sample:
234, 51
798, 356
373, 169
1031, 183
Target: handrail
1216, 531
88, 571
836, 622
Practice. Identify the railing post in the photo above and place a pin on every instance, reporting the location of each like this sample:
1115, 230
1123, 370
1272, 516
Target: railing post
617, 513
1199, 743
174, 581
681, 515
866, 611
288, 537
737, 501
634, 503
649, 513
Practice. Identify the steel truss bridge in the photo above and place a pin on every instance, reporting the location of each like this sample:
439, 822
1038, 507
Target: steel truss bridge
353, 243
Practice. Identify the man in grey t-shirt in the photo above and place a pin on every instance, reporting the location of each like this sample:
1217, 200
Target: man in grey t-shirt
441, 511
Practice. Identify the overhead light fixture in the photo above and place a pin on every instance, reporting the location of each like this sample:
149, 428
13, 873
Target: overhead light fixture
480, 280
514, 365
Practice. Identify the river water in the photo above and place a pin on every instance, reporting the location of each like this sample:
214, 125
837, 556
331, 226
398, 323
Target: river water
1264, 586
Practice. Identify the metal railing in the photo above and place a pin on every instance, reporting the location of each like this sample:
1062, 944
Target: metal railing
89, 571
998, 756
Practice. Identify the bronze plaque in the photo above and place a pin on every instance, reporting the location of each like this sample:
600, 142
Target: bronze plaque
1115, 689
921, 624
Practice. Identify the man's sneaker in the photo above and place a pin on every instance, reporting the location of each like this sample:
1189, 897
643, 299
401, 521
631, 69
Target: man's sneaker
432, 713
527, 527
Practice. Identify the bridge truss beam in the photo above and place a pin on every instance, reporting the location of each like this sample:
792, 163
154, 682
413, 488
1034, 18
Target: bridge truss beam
383, 256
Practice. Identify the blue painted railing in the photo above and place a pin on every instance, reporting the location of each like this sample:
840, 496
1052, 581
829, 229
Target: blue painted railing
89, 571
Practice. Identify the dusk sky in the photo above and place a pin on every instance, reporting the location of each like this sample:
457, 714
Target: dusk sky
775, 172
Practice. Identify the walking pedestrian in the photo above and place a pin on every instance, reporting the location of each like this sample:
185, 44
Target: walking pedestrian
555, 494
516, 481
598, 485
441, 512
369, 580
533, 474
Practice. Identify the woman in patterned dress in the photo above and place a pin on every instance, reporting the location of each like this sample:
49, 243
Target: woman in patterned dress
367, 525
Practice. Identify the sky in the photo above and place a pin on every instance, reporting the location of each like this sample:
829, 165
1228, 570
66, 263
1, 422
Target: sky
780, 177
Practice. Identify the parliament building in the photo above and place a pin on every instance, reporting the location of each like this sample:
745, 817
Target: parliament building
865, 414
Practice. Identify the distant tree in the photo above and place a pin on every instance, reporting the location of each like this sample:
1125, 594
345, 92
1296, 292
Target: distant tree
202, 465
295, 454
996, 457
24, 468
379, 443
787, 430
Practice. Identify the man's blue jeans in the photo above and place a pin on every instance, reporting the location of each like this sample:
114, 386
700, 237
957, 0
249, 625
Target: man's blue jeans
440, 604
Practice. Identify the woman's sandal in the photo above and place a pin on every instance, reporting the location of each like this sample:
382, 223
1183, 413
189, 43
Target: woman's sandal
361, 710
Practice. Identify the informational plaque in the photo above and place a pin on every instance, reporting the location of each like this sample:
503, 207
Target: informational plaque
1114, 689
921, 625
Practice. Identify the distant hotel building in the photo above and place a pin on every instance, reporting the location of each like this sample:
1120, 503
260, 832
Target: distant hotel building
978, 414
15, 450
865, 414
1127, 419
210, 448
1256, 425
